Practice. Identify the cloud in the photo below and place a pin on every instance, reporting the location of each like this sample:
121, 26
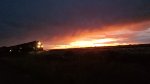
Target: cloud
50, 20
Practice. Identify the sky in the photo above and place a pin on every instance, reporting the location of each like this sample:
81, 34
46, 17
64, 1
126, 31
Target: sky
57, 23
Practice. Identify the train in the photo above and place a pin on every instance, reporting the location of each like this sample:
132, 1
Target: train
25, 48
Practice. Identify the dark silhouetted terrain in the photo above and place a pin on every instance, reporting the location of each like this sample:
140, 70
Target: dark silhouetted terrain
99, 65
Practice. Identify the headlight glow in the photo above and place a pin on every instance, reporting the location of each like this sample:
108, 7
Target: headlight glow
39, 45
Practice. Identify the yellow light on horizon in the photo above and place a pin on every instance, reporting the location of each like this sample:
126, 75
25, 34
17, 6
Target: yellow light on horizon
89, 43
104, 40
81, 44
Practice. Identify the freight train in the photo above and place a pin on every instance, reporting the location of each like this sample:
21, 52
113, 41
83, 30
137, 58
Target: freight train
24, 48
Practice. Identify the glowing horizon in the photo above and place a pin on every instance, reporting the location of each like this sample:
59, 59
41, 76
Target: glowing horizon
91, 43
108, 36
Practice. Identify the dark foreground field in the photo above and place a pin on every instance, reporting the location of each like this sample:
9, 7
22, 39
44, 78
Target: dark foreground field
105, 65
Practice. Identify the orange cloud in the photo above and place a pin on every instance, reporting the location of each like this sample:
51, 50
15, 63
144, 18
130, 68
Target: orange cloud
119, 34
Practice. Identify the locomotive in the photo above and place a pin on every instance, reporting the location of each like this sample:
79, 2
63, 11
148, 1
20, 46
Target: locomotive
24, 48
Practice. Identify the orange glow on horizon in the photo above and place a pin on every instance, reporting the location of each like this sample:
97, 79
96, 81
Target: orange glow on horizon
112, 35
89, 43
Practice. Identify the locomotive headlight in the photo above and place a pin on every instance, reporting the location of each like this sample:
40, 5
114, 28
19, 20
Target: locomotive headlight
42, 46
10, 50
39, 45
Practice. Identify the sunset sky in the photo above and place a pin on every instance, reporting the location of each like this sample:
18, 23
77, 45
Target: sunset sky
74, 23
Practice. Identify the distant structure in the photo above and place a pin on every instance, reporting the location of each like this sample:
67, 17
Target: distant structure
24, 48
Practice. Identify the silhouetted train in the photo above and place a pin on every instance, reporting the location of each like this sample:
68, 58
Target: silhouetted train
25, 48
